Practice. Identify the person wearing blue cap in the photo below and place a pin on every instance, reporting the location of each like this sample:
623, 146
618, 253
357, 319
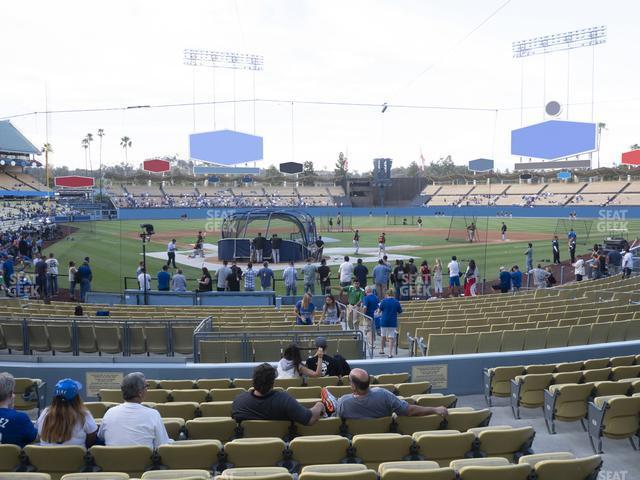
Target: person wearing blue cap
67, 421
15, 427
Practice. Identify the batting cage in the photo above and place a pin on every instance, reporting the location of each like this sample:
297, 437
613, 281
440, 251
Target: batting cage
463, 229
402, 220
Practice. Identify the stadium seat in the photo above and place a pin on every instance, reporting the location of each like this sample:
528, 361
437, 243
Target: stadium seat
505, 472
609, 388
182, 339
569, 367
174, 427
25, 476
443, 446
213, 383
190, 474
9, 457
393, 378
175, 384
339, 472
110, 395
98, 409
619, 373
266, 428
535, 338
440, 344
566, 469
108, 339
339, 391
132, 459
157, 395
216, 409
567, 377
463, 419
188, 454
410, 389
497, 381
190, 395
596, 363
215, 428
184, 410
320, 449
435, 400
288, 382
489, 342
410, 425
28, 393
95, 476
60, 337
225, 394
615, 417
459, 464
596, 375
465, 343
558, 337
528, 391
322, 381
254, 452
369, 425
415, 470
243, 383
324, 426
566, 403
536, 458
509, 443
257, 473
304, 392
538, 369
376, 448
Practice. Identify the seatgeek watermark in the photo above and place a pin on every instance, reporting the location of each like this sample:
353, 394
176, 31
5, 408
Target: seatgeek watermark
612, 221
215, 219
612, 475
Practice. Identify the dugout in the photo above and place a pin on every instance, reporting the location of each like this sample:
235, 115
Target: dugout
296, 228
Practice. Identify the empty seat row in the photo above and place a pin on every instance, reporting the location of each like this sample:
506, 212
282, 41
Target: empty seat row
368, 449
509, 340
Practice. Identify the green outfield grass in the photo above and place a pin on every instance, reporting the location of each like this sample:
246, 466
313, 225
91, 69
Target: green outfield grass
115, 249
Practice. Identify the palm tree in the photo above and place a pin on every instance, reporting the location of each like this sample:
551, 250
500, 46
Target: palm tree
125, 142
89, 138
46, 149
85, 145
100, 134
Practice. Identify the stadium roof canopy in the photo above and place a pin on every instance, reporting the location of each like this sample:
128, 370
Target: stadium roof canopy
12, 141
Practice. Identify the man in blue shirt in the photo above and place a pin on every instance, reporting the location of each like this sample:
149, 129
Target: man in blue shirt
290, 276
86, 278
164, 279
516, 278
266, 276
360, 271
572, 235
381, 274
15, 427
370, 304
505, 280
7, 272
389, 310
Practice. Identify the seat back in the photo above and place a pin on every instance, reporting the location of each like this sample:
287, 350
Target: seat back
211, 428
132, 459
579, 468
202, 454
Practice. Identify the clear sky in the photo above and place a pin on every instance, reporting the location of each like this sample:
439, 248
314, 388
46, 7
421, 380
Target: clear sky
89, 54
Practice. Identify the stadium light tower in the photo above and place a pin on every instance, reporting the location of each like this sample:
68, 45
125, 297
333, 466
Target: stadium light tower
230, 60
587, 37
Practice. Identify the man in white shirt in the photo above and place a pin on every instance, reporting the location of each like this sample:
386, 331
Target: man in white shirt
52, 274
454, 277
627, 264
144, 280
131, 423
346, 272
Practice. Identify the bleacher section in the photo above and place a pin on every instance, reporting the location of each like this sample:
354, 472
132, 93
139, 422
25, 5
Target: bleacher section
547, 194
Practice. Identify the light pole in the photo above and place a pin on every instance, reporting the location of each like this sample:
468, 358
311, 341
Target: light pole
100, 134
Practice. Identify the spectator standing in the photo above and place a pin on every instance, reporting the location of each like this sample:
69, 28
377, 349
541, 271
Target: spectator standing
360, 271
579, 269
528, 253
258, 245
346, 272
131, 423
164, 279
309, 277
411, 274
551, 280
471, 279
330, 225
179, 282
324, 274
86, 277
381, 274
223, 273
382, 241
330, 311
144, 280
40, 267
425, 275
516, 278
503, 231
74, 279
292, 366
249, 278
627, 263
540, 276
356, 241
205, 284
572, 236
505, 280
437, 278
389, 310
555, 249
319, 248
52, 274
614, 262
265, 403
290, 277
304, 310
234, 278
572, 249
355, 295
370, 303
266, 277
8, 271
454, 277
171, 253
67, 421
276, 243
367, 402
15, 427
